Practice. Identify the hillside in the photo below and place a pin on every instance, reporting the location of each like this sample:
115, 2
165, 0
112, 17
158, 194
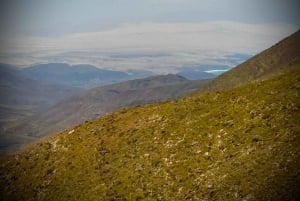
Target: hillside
239, 144
83, 76
283, 55
96, 102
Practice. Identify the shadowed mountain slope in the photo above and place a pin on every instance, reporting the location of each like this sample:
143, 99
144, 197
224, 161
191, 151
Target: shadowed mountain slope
240, 144
21, 96
284, 55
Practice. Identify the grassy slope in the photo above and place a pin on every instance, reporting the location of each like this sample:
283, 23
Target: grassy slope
240, 144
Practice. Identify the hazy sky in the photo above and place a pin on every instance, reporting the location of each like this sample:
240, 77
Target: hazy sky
35, 31
52, 17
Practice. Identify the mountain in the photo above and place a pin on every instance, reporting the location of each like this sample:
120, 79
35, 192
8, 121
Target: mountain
96, 102
239, 144
84, 76
283, 55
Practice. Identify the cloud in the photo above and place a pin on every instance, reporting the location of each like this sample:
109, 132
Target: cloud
160, 47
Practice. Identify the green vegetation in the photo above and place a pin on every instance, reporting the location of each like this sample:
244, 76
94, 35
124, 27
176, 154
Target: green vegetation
239, 144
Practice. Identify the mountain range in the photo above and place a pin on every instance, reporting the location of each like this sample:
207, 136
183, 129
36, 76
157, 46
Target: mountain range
233, 139
88, 76
82, 76
28, 91
96, 102
39, 100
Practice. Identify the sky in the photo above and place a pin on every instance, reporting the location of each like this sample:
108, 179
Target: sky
157, 35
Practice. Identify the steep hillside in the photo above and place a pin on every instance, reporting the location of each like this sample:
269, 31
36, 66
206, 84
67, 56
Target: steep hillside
99, 101
284, 55
84, 76
239, 144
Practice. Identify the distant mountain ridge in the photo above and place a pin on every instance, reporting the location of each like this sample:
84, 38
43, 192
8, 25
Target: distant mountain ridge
96, 102
88, 76
27, 94
83, 75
